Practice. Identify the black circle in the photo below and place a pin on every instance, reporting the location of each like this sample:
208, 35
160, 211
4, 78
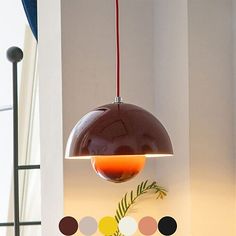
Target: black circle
167, 225
68, 225
14, 54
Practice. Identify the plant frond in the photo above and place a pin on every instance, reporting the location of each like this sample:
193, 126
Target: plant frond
142, 188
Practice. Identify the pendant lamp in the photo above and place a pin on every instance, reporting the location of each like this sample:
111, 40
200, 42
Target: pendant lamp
118, 137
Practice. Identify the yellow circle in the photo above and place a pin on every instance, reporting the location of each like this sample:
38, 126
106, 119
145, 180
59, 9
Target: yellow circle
108, 225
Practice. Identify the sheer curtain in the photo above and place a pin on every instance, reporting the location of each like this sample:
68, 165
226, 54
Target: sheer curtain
29, 146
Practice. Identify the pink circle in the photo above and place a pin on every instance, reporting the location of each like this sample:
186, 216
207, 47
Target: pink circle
147, 225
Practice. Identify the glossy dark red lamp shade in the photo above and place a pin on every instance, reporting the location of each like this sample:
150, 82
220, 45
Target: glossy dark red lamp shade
118, 129
118, 137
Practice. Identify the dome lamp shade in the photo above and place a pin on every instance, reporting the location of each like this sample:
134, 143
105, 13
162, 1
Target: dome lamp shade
118, 138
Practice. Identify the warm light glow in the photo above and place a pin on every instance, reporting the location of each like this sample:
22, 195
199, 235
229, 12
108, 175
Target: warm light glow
158, 155
118, 168
145, 155
79, 158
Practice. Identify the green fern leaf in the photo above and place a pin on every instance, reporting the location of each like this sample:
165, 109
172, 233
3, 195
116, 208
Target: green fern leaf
138, 191
132, 196
145, 184
122, 205
141, 186
118, 215
120, 210
125, 199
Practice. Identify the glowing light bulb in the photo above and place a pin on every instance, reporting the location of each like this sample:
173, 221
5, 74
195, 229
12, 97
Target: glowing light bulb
118, 168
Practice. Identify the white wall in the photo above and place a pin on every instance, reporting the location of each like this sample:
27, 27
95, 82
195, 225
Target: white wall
211, 117
172, 105
50, 105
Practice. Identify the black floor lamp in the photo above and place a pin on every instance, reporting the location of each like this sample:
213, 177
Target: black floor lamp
15, 55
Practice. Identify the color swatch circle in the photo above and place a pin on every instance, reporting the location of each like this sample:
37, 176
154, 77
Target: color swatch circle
167, 225
128, 226
147, 225
108, 225
68, 225
88, 225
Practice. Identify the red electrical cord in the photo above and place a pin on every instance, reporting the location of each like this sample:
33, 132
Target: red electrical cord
117, 51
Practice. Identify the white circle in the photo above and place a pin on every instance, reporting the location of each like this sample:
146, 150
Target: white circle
128, 226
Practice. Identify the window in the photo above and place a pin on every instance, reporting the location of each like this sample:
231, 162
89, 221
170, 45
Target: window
17, 33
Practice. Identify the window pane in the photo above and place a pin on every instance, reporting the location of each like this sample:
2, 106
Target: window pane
30, 195
7, 231
12, 34
31, 230
6, 160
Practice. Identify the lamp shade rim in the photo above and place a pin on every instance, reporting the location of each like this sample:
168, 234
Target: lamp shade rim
149, 156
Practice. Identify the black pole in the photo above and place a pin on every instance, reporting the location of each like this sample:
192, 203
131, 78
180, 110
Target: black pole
15, 161
15, 55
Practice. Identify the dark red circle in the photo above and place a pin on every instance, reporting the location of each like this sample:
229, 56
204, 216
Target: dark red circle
68, 225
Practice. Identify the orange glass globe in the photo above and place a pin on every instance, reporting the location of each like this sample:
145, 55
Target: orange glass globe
118, 168
118, 138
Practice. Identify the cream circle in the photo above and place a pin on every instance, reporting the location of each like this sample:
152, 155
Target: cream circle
128, 226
